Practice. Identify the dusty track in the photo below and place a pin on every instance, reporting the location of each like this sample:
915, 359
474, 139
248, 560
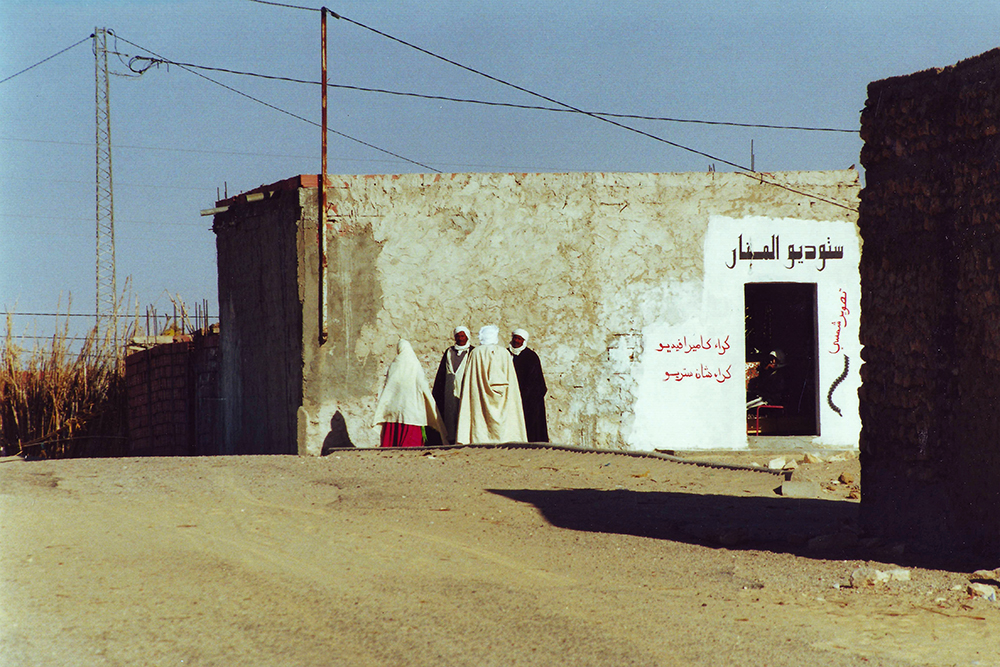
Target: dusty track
456, 557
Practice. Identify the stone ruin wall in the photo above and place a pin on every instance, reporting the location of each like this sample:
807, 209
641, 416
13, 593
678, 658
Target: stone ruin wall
930, 327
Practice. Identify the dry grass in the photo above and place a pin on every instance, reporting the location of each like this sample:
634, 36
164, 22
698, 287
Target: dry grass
57, 403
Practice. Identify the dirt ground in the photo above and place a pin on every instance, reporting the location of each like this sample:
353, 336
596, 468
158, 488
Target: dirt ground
463, 556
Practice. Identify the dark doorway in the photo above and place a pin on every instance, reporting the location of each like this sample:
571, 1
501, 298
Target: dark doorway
781, 317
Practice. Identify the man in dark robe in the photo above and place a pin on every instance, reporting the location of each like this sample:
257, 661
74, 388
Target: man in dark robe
532, 384
770, 385
444, 382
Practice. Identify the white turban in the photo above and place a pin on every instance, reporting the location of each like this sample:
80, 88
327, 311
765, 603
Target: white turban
523, 334
489, 335
468, 342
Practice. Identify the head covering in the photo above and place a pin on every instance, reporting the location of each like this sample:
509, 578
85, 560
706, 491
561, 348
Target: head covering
489, 335
779, 356
517, 350
468, 335
406, 397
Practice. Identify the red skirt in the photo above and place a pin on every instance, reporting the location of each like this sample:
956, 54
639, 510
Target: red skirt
402, 435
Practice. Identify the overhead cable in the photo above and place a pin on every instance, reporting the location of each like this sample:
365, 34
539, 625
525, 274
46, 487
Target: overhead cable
150, 62
57, 53
274, 155
281, 4
741, 169
289, 113
54, 314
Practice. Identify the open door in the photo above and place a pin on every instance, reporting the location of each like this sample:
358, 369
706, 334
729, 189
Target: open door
781, 317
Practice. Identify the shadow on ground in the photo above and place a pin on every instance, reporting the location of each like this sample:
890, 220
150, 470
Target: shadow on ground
822, 529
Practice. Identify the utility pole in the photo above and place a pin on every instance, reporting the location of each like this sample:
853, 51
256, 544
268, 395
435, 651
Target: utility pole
107, 287
324, 327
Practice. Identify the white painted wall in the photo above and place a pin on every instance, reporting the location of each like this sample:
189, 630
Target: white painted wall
690, 379
602, 269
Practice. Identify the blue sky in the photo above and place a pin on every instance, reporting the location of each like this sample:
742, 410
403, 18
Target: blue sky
179, 139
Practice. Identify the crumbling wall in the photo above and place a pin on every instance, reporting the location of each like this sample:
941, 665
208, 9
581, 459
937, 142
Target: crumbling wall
584, 262
931, 306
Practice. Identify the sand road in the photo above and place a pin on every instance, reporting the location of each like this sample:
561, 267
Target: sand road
467, 556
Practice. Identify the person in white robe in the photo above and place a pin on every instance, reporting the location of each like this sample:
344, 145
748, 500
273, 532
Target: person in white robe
405, 404
489, 398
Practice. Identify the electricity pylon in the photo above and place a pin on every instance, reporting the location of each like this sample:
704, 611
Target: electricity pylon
107, 288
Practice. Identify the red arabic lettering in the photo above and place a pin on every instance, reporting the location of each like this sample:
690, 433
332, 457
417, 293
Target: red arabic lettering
703, 372
840, 323
720, 345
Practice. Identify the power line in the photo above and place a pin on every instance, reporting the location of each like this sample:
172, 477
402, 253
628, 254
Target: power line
27, 337
91, 315
281, 4
161, 148
464, 100
303, 157
741, 168
47, 59
35, 216
54, 314
289, 113
147, 186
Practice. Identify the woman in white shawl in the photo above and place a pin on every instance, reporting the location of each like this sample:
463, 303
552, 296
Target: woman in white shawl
405, 405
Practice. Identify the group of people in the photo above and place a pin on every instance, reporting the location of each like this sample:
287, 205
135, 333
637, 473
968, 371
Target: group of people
484, 393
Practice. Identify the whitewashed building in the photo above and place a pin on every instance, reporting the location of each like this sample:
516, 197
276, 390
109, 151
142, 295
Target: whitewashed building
645, 296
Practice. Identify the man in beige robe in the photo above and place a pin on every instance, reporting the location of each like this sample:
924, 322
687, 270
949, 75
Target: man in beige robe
489, 398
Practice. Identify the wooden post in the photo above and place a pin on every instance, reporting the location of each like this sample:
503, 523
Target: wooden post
323, 329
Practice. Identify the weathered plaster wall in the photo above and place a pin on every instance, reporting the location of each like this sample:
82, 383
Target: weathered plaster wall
931, 297
589, 264
260, 316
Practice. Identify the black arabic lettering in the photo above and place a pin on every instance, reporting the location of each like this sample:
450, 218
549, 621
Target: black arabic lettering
794, 256
744, 252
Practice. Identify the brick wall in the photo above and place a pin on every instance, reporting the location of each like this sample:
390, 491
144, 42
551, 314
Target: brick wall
173, 398
206, 358
930, 321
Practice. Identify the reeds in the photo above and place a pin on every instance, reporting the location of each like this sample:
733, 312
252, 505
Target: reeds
56, 403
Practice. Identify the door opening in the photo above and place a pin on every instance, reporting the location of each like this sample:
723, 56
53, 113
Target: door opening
781, 318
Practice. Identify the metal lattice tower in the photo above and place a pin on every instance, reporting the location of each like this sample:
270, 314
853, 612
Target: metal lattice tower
107, 288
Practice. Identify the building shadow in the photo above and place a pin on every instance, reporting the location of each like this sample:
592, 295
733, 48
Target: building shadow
811, 528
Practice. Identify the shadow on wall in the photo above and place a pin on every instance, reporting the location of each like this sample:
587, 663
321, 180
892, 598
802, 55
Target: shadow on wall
822, 529
338, 437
